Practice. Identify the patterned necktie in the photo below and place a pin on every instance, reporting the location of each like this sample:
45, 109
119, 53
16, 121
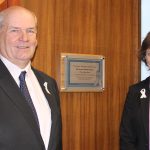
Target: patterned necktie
25, 92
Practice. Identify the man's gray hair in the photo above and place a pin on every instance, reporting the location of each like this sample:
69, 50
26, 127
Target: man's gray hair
6, 12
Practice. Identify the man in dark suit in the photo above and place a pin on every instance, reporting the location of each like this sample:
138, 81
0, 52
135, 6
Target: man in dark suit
134, 128
30, 116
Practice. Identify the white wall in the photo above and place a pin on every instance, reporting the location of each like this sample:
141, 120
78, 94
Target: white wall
145, 28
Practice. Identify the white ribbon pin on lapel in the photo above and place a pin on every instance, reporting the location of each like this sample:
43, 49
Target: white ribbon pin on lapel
45, 85
143, 93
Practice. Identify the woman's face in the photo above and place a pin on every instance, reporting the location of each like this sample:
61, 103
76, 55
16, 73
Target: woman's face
147, 57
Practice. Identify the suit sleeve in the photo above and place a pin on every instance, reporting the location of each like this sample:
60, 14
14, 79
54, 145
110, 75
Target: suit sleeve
127, 132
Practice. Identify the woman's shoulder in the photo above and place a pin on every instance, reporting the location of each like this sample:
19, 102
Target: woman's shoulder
141, 84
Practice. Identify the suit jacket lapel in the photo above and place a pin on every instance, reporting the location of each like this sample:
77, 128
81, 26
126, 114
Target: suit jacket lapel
51, 97
145, 107
10, 87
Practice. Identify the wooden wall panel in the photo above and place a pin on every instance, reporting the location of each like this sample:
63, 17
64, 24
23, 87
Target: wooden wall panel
6, 3
3, 4
13, 2
107, 27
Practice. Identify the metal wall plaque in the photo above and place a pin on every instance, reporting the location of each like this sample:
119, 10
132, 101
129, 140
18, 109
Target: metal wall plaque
82, 73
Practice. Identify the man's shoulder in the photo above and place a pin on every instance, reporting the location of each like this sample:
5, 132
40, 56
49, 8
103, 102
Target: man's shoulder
42, 74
